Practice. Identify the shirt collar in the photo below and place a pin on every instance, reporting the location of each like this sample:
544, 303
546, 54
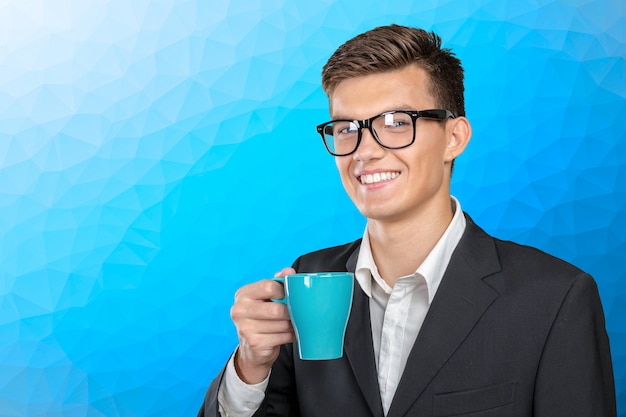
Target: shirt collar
433, 267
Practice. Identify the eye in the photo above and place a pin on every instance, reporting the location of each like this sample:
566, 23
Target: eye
345, 128
396, 121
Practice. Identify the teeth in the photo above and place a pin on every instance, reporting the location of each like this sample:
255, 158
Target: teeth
378, 177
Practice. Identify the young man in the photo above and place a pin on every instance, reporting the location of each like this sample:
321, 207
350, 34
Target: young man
446, 320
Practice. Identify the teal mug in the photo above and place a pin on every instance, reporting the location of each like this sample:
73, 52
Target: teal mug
319, 305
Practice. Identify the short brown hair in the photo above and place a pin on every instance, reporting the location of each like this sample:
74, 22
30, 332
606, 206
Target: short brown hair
388, 48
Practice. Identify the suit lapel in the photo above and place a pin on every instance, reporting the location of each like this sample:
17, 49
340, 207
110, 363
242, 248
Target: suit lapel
461, 300
359, 347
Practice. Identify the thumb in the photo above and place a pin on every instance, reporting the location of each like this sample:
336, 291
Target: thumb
285, 271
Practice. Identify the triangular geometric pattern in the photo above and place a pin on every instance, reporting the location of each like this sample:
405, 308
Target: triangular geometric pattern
156, 155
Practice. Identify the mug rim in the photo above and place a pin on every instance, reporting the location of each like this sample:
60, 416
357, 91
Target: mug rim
320, 274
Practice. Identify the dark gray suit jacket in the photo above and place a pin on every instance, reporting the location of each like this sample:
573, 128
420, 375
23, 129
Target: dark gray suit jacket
512, 331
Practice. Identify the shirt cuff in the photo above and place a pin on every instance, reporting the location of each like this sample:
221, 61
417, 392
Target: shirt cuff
235, 397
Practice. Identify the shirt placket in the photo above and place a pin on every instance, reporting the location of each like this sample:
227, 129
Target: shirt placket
392, 340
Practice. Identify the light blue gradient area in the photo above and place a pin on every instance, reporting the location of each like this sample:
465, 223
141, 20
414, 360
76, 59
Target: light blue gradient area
156, 155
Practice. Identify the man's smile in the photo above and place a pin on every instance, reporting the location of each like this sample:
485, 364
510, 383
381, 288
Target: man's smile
377, 177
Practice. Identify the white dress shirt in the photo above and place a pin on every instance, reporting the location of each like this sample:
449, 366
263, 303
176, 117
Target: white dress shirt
396, 315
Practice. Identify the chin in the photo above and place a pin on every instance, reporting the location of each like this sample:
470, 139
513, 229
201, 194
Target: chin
377, 213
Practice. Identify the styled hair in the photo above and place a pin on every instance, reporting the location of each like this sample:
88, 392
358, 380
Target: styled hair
389, 48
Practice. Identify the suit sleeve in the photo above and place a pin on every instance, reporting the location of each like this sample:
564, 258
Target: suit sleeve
281, 399
210, 406
575, 376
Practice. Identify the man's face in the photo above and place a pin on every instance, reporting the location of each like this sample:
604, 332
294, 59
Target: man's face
412, 181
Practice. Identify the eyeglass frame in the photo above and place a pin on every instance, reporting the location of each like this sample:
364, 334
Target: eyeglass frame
433, 114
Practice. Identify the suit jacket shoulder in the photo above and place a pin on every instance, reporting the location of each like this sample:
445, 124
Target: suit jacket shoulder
490, 256
336, 258
526, 268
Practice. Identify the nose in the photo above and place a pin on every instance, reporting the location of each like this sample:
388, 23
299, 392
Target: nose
369, 148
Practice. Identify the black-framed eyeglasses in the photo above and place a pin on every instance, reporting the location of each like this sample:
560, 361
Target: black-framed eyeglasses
392, 130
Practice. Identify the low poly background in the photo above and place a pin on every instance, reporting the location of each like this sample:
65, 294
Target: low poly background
155, 155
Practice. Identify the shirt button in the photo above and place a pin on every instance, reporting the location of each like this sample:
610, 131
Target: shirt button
250, 406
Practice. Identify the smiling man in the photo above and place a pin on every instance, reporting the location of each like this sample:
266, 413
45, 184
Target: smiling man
446, 320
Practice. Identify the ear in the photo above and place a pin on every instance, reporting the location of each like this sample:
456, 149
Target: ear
459, 134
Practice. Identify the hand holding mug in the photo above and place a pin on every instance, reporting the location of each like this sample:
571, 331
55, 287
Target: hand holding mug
262, 327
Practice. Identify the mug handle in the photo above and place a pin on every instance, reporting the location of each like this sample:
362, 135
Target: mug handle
282, 281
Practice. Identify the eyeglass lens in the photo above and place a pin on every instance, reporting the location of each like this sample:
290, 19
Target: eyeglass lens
393, 130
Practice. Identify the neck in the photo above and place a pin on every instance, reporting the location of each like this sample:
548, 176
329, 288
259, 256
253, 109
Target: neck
400, 247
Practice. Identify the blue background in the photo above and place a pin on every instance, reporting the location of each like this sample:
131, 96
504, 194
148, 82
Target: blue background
155, 155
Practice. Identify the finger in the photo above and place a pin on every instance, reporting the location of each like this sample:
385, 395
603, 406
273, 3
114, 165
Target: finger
259, 343
285, 271
258, 310
263, 290
265, 327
